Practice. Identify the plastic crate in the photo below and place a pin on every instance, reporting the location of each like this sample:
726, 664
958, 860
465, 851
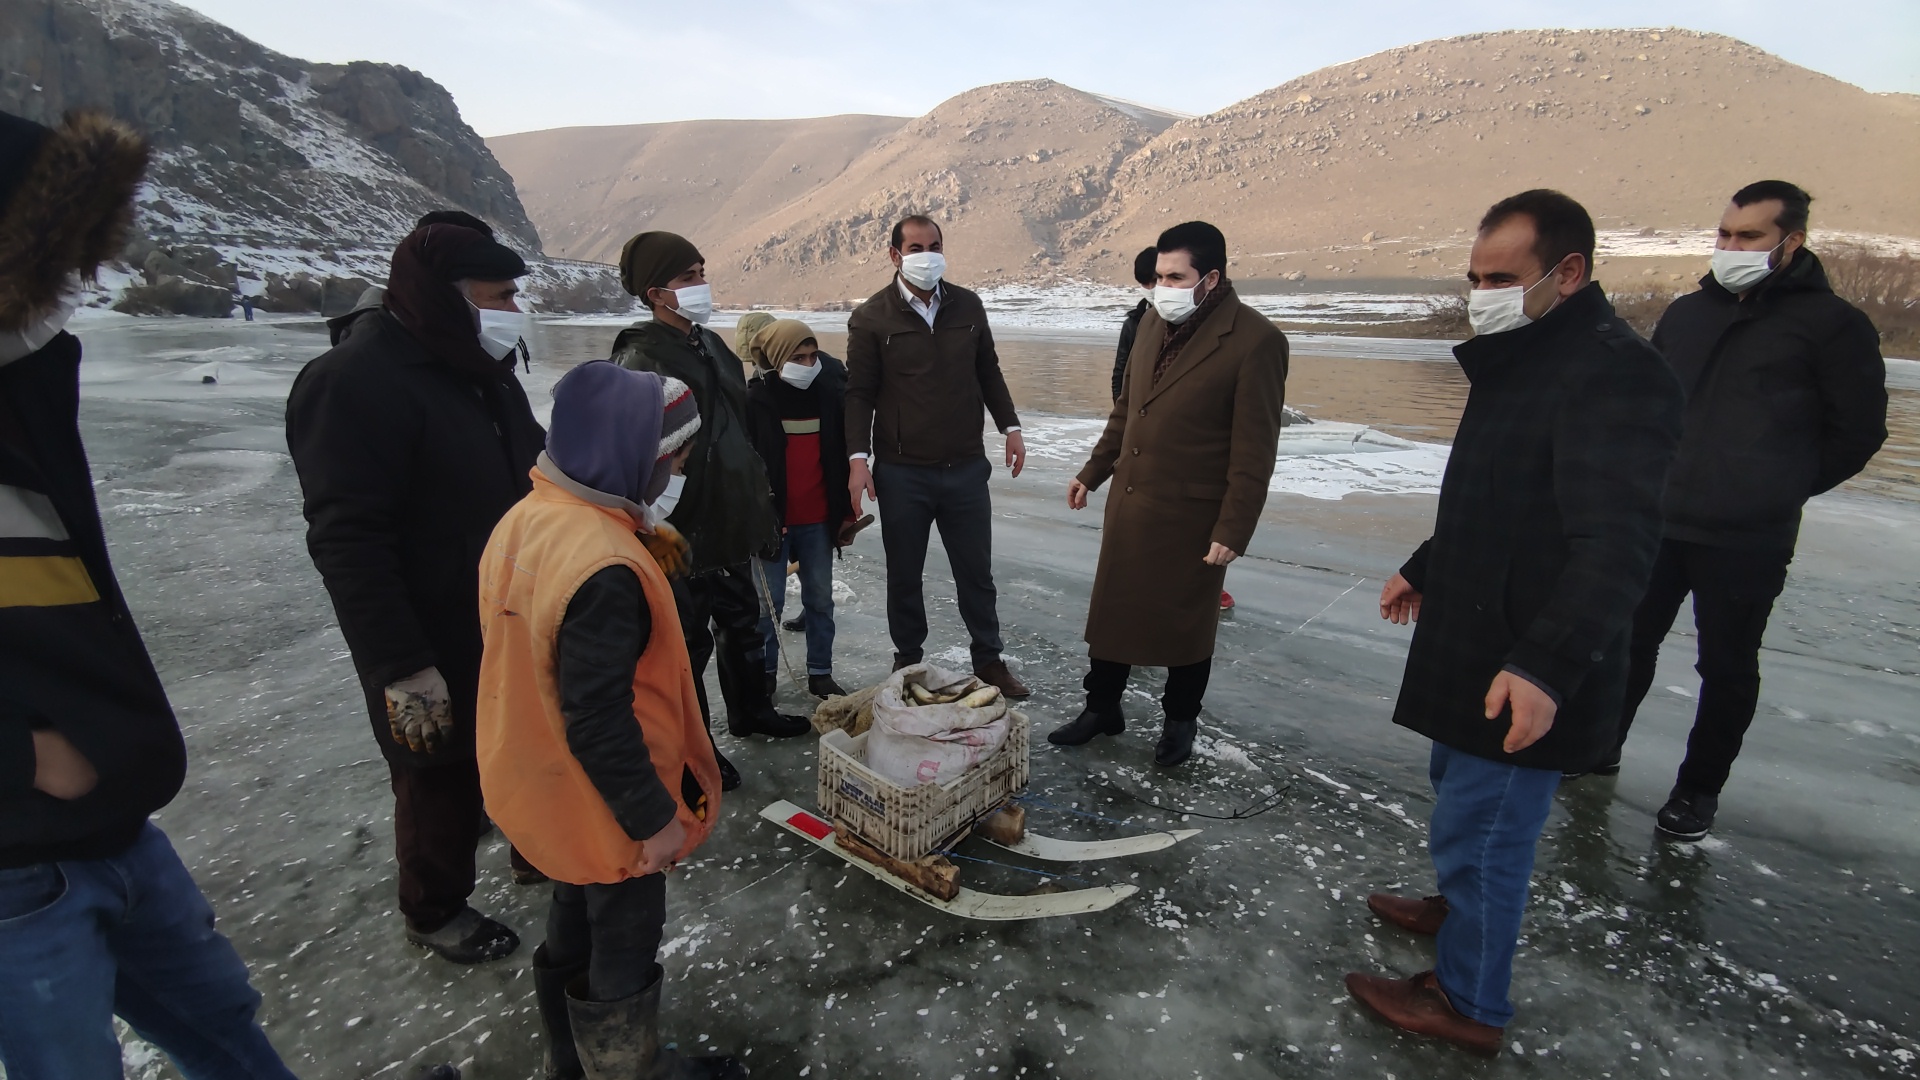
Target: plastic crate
909, 822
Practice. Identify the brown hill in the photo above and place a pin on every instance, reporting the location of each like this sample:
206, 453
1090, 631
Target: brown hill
1364, 167
593, 187
1375, 168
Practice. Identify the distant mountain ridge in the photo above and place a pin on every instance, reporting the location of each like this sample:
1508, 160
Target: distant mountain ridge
1375, 168
254, 149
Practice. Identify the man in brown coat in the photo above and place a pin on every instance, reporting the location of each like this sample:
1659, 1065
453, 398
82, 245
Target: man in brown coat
1190, 446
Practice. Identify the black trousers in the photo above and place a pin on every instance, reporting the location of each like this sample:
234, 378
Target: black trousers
436, 826
614, 929
1733, 593
721, 609
1186, 687
913, 500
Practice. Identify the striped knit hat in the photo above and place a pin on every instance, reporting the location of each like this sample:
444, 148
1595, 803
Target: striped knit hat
682, 419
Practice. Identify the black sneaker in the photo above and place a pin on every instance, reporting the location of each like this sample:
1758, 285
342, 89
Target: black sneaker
773, 724
1611, 768
823, 686
795, 625
468, 938
729, 776
1688, 815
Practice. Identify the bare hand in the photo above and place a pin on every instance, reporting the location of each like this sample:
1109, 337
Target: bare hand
420, 711
1016, 452
59, 768
1077, 493
1399, 601
860, 482
1220, 555
1533, 710
658, 852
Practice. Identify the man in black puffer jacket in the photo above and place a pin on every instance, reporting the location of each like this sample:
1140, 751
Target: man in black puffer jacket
97, 914
1786, 398
412, 437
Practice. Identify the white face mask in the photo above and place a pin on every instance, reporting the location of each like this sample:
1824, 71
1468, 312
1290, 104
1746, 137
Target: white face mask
661, 508
1742, 270
30, 339
1496, 311
694, 303
502, 331
923, 269
799, 376
1176, 305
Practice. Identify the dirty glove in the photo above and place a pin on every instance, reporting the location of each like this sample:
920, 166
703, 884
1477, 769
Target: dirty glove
420, 711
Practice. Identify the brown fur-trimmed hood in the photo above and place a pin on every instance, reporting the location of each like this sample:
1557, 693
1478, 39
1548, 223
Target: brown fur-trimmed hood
69, 213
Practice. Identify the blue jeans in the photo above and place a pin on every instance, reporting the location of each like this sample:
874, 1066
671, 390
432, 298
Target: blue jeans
812, 547
133, 936
1487, 816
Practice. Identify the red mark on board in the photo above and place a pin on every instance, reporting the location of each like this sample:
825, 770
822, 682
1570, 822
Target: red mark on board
811, 825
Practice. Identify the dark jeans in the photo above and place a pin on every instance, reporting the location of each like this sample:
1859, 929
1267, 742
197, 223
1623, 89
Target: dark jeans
914, 499
436, 826
1487, 817
614, 929
812, 547
722, 608
1733, 594
1186, 687
132, 936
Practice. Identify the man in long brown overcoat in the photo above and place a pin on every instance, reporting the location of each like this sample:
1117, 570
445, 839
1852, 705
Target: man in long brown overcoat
1190, 449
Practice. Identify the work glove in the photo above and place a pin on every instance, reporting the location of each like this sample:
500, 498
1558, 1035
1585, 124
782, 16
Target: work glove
420, 711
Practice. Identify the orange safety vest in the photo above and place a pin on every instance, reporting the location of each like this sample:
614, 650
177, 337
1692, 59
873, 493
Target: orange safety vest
540, 554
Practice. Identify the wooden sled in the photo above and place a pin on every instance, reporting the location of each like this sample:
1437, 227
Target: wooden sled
934, 881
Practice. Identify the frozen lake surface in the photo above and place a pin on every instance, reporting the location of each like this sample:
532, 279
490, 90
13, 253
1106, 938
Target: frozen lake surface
1786, 946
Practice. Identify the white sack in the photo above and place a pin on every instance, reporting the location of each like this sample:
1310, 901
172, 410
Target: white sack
932, 744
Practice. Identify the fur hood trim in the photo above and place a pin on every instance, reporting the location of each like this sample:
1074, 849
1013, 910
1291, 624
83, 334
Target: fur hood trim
70, 213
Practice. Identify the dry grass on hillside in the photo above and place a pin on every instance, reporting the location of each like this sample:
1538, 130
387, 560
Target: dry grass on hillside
1886, 287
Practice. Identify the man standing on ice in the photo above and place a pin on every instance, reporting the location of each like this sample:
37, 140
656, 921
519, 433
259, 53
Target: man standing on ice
921, 371
1786, 398
98, 917
1190, 447
411, 438
1548, 522
594, 753
723, 505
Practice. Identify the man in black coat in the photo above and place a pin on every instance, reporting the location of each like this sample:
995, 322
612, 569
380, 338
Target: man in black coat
1145, 272
98, 916
724, 508
1786, 399
1548, 521
411, 438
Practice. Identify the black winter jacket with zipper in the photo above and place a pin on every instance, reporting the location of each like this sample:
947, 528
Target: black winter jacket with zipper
1786, 398
915, 393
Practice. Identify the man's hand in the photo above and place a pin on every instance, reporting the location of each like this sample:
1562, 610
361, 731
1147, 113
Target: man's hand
860, 482
1077, 493
1220, 555
59, 768
1016, 452
1399, 601
1533, 710
420, 711
658, 851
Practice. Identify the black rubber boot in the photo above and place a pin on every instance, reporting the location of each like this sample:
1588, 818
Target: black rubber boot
620, 1040
550, 994
1093, 720
1176, 742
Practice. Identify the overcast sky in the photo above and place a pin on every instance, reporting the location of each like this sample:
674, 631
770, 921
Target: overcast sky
520, 65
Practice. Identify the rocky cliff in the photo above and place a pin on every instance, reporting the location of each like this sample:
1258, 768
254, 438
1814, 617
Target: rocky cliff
276, 163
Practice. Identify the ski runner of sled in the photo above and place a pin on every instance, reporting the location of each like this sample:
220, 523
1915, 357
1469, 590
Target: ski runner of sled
593, 751
411, 437
1545, 534
724, 507
1189, 446
98, 917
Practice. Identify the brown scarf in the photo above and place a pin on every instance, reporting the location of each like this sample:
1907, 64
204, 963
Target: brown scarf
1178, 337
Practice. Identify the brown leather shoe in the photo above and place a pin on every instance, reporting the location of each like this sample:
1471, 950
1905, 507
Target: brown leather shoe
998, 674
1422, 916
1419, 1005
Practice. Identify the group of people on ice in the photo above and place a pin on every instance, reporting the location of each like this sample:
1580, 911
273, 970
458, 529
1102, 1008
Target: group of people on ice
531, 610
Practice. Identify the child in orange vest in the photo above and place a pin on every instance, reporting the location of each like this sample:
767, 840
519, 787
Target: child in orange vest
593, 756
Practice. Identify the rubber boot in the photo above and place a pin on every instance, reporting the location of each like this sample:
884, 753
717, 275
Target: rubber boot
550, 993
620, 1040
